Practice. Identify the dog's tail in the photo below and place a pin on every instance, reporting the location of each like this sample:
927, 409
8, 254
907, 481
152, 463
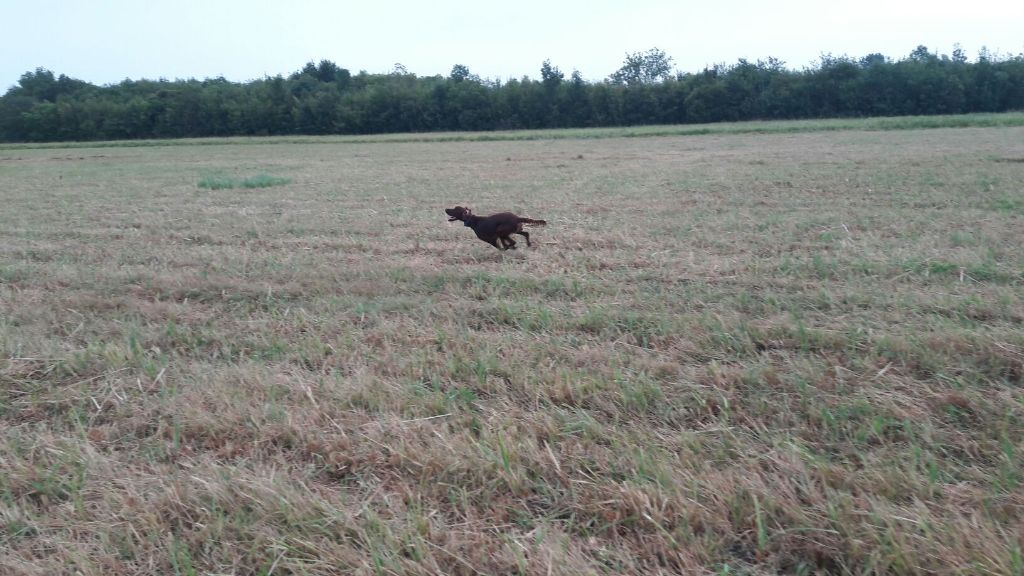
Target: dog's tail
532, 222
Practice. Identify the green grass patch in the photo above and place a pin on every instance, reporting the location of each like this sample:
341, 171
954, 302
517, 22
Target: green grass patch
229, 182
980, 120
1009, 204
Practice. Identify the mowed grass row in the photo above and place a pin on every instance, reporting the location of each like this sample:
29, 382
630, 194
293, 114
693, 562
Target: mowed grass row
975, 120
728, 354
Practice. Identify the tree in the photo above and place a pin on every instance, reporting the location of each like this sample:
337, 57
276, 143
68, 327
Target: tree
42, 85
959, 56
574, 100
643, 68
459, 73
921, 54
550, 75
872, 60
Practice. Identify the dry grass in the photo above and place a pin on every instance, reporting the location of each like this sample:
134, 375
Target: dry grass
728, 354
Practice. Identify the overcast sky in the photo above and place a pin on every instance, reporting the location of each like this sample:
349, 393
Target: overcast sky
106, 41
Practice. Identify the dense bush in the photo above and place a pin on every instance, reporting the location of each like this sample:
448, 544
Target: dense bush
328, 99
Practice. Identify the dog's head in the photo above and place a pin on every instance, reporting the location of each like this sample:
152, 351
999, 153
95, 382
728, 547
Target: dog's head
457, 213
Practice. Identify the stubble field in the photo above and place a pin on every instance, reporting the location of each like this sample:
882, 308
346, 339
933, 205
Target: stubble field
725, 354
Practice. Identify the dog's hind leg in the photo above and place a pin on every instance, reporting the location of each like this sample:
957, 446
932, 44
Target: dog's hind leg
525, 235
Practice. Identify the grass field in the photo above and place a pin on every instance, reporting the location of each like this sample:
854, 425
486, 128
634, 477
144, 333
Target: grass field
732, 353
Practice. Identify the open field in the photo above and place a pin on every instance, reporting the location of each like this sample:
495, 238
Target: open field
725, 354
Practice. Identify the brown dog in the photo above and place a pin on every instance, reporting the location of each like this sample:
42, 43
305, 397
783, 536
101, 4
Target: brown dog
495, 227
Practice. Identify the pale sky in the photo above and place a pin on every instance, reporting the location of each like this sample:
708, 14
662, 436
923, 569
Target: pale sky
106, 41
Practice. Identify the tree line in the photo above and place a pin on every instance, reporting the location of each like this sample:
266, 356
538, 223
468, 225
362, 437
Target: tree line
324, 98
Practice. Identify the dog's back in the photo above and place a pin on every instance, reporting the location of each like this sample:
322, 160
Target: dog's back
495, 227
499, 220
